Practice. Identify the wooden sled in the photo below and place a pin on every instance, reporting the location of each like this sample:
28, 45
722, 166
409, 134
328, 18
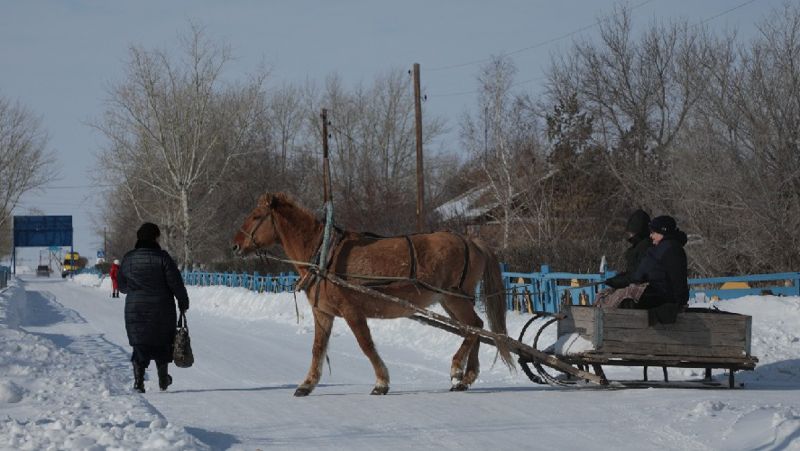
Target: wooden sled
699, 338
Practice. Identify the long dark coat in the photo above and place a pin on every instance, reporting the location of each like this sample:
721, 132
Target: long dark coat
640, 243
152, 282
664, 268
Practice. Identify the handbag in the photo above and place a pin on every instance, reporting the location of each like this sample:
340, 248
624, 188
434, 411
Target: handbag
182, 347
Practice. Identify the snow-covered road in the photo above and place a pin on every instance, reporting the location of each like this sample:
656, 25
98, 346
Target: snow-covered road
250, 353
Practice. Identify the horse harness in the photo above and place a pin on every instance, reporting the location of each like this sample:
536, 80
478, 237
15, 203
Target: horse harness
318, 269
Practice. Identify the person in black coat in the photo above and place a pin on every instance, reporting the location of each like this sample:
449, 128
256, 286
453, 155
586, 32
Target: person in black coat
638, 231
151, 280
664, 268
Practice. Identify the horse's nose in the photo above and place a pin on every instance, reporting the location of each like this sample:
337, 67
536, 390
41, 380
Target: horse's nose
235, 249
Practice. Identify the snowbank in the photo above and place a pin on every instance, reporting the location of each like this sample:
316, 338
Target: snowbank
51, 398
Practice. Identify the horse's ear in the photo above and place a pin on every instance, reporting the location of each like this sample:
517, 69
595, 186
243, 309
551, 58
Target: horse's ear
278, 199
265, 200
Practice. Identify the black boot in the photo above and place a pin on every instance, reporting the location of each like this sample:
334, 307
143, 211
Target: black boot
138, 377
164, 379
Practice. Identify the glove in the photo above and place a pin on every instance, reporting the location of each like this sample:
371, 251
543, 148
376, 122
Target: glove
183, 305
617, 281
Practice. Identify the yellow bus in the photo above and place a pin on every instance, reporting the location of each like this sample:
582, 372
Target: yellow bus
71, 264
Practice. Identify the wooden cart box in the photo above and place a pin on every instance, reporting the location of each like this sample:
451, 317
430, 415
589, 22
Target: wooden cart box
696, 340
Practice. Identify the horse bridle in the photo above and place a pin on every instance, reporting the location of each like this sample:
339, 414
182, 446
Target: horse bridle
252, 233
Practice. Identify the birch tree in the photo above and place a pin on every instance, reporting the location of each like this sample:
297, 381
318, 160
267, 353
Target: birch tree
25, 162
175, 128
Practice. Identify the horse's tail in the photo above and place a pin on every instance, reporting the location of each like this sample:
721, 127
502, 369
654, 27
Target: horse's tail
493, 294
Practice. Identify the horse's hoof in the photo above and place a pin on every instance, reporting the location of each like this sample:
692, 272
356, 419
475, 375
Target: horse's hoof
302, 391
459, 387
380, 390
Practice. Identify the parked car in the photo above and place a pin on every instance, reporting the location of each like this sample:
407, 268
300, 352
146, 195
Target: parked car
43, 271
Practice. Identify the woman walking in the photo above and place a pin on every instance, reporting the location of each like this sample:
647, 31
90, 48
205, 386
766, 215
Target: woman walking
152, 282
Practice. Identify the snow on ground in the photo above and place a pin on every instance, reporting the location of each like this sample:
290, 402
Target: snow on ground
52, 397
65, 378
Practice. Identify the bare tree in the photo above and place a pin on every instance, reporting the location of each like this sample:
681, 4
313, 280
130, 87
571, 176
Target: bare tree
502, 138
373, 151
175, 129
742, 189
639, 92
25, 162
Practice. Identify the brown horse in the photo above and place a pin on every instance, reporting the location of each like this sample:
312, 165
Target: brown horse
423, 269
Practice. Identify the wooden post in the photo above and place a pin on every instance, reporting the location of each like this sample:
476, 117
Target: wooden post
326, 168
327, 193
420, 171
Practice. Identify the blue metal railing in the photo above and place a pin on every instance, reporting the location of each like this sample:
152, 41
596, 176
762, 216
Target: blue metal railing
780, 284
545, 291
267, 283
88, 270
541, 290
5, 276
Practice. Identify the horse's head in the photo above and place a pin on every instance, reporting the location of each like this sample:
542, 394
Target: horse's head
258, 229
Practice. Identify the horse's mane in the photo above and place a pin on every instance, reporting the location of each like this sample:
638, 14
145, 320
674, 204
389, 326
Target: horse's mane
281, 199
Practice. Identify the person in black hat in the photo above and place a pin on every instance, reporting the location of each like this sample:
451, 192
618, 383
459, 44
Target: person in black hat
638, 232
664, 269
151, 280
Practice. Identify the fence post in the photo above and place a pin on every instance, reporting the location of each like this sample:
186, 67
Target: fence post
506, 285
549, 290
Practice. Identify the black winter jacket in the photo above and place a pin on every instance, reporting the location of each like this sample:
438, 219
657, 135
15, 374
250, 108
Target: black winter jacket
640, 243
151, 280
664, 268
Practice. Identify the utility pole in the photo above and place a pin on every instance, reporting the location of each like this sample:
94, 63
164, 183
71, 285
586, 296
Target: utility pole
328, 194
326, 167
420, 171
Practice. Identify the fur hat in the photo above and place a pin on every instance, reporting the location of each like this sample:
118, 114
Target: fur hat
116, 262
664, 225
148, 232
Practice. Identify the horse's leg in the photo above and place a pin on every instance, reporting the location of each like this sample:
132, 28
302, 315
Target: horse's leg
358, 324
323, 323
462, 310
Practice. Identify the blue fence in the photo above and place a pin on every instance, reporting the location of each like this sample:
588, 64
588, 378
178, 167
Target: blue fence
5, 275
269, 283
546, 291
541, 290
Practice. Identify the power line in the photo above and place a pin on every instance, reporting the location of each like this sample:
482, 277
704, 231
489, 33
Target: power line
549, 41
96, 185
475, 91
534, 46
728, 11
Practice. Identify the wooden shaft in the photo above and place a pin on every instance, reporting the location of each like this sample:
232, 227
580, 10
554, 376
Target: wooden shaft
456, 327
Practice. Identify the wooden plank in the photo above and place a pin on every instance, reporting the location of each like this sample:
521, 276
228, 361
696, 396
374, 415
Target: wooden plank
625, 315
579, 320
747, 334
653, 360
670, 349
694, 338
688, 322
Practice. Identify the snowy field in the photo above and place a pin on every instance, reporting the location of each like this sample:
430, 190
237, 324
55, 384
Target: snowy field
65, 383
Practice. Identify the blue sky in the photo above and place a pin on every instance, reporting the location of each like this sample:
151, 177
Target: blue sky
59, 57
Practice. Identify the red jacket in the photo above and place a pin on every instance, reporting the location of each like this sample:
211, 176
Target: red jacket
113, 273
